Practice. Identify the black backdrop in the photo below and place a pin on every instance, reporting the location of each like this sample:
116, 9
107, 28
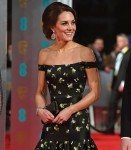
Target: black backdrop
104, 18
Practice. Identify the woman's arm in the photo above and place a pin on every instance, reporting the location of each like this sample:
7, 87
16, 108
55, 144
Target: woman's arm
39, 97
40, 101
93, 83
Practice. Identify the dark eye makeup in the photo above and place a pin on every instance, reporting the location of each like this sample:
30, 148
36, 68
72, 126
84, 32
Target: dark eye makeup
66, 22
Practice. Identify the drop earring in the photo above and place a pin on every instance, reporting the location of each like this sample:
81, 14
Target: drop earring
53, 36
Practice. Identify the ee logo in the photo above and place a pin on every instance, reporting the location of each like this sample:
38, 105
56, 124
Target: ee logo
23, 23
23, 70
22, 115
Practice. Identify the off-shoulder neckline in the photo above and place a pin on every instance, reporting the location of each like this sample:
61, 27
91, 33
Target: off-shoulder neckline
69, 63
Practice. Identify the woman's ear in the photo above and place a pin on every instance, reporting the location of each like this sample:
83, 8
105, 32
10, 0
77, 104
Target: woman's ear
53, 29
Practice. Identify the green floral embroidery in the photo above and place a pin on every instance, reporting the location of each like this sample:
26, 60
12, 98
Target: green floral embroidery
84, 141
59, 92
67, 131
45, 143
59, 69
79, 144
53, 76
62, 105
50, 142
71, 142
73, 121
48, 71
42, 145
47, 82
75, 148
80, 86
73, 70
68, 96
89, 147
65, 74
76, 80
78, 90
92, 146
56, 128
60, 145
87, 127
54, 86
61, 80
78, 113
70, 85
83, 120
66, 142
48, 128
78, 129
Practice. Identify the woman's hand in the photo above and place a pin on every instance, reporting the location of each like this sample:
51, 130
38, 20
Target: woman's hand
46, 116
63, 116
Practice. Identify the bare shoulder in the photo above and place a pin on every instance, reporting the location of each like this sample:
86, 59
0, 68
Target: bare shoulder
43, 53
86, 53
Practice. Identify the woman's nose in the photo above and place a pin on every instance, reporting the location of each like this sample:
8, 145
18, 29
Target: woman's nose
70, 26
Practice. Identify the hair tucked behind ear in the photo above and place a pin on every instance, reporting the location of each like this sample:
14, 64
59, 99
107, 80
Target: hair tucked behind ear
50, 16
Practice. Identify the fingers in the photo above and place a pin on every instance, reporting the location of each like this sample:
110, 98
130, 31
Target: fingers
47, 116
59, 119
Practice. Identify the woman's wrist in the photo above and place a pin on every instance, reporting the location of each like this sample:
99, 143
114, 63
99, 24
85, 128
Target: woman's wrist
38, 109
72, 109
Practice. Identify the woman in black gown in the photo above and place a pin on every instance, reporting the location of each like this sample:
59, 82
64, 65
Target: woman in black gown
65, 67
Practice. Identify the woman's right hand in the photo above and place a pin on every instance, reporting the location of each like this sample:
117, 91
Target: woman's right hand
45, 115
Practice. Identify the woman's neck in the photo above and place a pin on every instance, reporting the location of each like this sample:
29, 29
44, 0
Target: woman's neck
63, 46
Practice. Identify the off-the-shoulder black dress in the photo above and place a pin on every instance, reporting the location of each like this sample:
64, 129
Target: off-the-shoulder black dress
66, 85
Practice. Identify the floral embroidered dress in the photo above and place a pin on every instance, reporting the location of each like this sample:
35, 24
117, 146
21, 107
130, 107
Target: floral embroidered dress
66, 85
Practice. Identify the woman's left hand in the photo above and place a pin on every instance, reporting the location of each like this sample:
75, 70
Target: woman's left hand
63, 116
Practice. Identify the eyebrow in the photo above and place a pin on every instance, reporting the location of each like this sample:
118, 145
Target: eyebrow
67, 20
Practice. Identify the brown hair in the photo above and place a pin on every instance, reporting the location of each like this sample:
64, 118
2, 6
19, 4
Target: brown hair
50, 16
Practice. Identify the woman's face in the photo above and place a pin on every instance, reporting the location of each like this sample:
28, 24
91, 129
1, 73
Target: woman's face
65, 27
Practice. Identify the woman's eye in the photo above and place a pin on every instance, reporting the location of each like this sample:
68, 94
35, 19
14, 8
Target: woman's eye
73, 22
64, 23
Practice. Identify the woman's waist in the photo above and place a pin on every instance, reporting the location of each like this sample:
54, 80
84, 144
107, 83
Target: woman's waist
69, 99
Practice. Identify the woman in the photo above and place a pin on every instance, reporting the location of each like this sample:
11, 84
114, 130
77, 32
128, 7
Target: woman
64, 67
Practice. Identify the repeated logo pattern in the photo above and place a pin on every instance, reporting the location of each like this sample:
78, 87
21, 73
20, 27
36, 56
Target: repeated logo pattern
26, 45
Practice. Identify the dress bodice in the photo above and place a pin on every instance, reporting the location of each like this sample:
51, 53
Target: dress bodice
66, 80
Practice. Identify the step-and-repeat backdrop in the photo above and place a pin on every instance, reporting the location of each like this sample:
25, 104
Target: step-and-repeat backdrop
27, 40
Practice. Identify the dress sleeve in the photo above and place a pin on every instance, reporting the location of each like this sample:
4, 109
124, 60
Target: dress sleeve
89, 65
41, 67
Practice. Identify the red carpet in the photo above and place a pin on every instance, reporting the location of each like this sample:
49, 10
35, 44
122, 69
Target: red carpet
107, 142
103, 142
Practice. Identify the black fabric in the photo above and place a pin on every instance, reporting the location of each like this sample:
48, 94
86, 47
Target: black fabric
122, 71
66, 85
41, 67
99, 60
115, 94
84, 64
126, 105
